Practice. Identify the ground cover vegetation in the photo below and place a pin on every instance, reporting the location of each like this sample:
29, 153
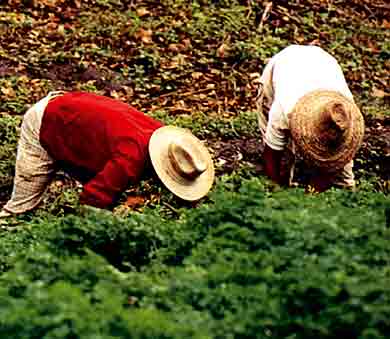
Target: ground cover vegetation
252, 260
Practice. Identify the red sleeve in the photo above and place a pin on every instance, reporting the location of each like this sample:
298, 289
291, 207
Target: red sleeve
124, 168
272, 159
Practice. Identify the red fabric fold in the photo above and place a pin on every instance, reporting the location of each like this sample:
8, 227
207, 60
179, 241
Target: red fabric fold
98, 138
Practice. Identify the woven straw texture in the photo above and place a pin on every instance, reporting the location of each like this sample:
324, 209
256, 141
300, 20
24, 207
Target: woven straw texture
184, 188
327, 129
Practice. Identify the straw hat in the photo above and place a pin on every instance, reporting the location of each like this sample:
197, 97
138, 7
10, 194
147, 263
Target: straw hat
182, 162
327, 129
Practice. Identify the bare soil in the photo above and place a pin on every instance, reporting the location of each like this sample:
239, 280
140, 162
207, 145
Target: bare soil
372, 159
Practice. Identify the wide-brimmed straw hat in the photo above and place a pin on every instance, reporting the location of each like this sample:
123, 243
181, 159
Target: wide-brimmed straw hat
182, 162
327, 129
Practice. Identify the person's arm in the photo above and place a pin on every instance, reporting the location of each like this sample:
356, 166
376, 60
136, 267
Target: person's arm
272, 159
125, 167
276, 140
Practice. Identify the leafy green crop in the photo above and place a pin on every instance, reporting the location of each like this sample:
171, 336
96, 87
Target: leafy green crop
257, 262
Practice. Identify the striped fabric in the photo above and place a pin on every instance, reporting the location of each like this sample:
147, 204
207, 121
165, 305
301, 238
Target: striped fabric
34, 166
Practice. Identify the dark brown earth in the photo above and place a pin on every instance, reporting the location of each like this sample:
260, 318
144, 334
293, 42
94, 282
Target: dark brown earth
54, 49
373, 158
375, 151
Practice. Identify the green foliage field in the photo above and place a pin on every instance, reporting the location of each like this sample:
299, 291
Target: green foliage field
252, 260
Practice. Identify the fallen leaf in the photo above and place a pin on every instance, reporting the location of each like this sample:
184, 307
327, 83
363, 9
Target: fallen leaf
221, 51
134, 201
173, 47
386, 23
378, 93
196, 75
145, 35
8, 92
142, 11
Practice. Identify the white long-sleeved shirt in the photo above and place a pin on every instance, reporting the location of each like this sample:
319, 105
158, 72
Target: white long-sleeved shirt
288, 76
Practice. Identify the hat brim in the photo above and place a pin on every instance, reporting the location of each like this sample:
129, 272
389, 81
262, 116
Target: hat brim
190, 190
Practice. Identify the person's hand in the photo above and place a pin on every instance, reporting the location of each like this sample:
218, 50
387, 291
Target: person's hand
321, 182
272, 161
4, 214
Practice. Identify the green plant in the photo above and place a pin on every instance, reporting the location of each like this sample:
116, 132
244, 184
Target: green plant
253, 261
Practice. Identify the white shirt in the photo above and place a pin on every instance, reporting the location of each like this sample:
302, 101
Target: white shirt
288, 76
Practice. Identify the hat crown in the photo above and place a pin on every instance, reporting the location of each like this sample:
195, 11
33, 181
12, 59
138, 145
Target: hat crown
327, 128
186, 159
339, 116
182, 162
336, 122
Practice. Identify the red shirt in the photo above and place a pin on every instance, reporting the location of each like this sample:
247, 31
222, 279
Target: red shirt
104, 142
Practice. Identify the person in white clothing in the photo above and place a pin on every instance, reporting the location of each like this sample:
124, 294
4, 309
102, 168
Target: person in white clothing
306, 107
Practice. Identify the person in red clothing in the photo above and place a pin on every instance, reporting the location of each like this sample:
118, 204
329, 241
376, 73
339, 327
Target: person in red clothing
107, 145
